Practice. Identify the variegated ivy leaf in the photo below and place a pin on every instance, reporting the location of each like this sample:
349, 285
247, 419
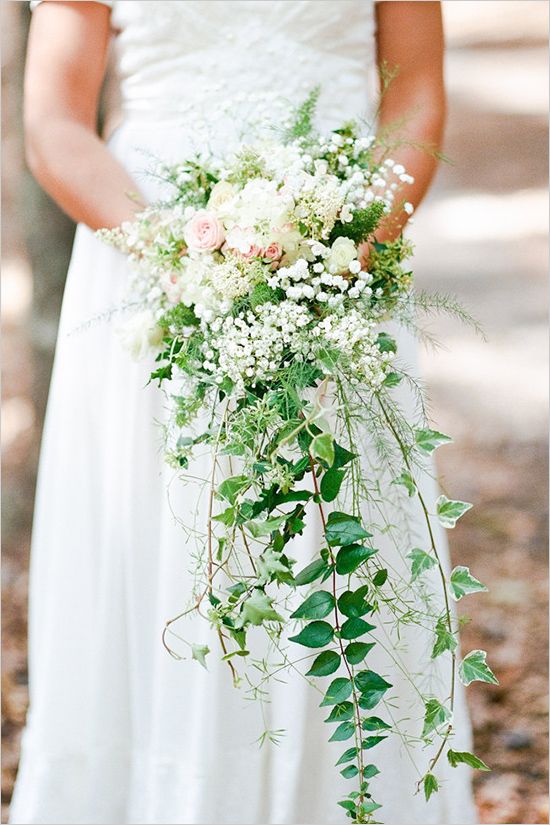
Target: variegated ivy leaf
444, 639
430, 440
407, 481
450, 511
463, 583
431, 785
435, 715
265, 527
269, 563
463, 757
199, 653
474, 668
257, 609
322, 447
420, 562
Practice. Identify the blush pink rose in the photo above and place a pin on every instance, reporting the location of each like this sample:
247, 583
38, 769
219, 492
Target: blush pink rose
273, 252
204, 232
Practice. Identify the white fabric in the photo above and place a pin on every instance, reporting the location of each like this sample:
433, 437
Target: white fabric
119, 732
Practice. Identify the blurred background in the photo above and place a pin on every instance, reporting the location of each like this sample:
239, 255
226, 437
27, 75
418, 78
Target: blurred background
482, 235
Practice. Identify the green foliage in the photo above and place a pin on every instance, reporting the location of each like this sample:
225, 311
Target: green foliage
338, 692
343, 529
463, 757
444, 639
312, 572
431, 785
420, 562
435, 715
258, 609
450, 511
463, 583
429, 440
352, 628
316, 634
474, 668
362, 224
199, 653
351, 557
322, 447
407, 481
331, 483
355, 652
372, 687
316, 606
303, 117
326, 663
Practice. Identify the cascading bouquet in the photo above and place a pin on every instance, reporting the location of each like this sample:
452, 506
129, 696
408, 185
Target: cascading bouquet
267, 299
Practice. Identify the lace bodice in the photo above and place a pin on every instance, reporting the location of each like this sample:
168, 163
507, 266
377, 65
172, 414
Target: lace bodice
174, 56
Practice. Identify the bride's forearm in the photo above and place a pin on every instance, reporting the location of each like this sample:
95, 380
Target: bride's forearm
76, 168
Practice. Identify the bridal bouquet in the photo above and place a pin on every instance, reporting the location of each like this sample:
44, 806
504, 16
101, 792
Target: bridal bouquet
262, 292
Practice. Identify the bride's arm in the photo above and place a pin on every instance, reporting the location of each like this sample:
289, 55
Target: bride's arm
66, 60
410, 37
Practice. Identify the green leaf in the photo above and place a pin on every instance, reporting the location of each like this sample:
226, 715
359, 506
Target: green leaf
231, 487
457, 757
310, 573
331, 483
372, 741
343, 732
355, 652
392, 379
341, 712
342, 457
338, 691
375, 723
227, 517
316, 634
350, 771
353, 604
431, 785
463, 583
199, 653
429, 440
347, 756
450, 511
366, 808
322, 447
474, 668
347, 804
316, 606
352, 628
344, 529
435, 715
257, 609
349, 558
386, 343
444, 639
407, 481
380, 577
264, 527
420, 562
369, 771
268, 564
372, 687
325, 664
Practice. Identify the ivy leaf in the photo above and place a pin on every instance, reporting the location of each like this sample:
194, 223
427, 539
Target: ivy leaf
322, 447
331, 483
316, 606
265, 527
420, 562
386, 343
407, 481
310, 573
199, 653
355, 652
325, 664
430, 440
227, 517
268, 564
431, 785
450, 511
343, 732
350, 771
257, 609
231, 487
474, 668
353, 604
315, 634
349, 558
435, 715
457, 757
444, 639
392, 379
352, 628
375, 723
463, 583
343, 529
341, 712
347, 756
338, 691
372, 687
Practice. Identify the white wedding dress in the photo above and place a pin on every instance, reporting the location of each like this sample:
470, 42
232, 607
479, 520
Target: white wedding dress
118, 731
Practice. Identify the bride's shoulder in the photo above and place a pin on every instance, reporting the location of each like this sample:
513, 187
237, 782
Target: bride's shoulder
34, 3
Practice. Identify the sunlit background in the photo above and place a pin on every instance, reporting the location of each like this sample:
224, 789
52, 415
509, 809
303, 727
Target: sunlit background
482, 235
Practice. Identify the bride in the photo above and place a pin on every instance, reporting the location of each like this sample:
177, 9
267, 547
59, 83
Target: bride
119, 732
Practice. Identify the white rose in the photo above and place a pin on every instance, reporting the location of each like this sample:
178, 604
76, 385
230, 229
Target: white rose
221, 192
140, 334
342, 252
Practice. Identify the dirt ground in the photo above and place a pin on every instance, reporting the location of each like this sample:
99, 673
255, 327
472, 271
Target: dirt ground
482, 235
